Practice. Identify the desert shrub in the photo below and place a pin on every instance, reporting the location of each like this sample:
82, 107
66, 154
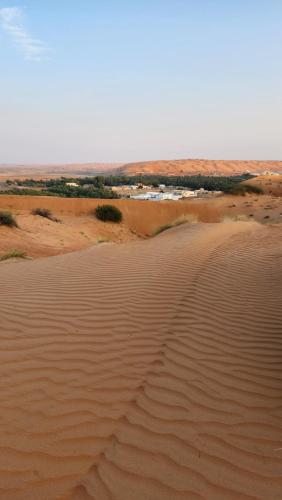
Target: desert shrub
14, 254
101, 239
177, 222
108, 213
45, 212
7, 219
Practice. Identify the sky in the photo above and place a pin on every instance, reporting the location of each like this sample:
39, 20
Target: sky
133, 80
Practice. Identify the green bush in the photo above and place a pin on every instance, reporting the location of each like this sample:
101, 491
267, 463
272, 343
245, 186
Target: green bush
108, 213
7, 219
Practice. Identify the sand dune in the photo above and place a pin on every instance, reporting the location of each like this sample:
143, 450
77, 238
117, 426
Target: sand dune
161, 167
151, 370
203, 167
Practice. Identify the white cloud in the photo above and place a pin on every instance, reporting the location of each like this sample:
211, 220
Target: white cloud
11, 19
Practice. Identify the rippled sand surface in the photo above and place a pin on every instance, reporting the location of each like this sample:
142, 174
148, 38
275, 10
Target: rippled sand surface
148, 371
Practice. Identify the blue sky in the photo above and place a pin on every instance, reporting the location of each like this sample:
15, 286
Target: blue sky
120, 80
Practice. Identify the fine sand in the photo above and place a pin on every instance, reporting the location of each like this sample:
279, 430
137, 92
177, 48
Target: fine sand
148, 371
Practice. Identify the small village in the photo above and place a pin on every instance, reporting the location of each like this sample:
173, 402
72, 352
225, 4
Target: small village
160, 193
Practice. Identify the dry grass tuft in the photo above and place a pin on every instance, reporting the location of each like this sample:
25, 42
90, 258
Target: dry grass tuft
13, 254
181, 220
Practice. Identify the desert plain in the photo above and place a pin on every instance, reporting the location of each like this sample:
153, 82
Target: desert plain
138, 365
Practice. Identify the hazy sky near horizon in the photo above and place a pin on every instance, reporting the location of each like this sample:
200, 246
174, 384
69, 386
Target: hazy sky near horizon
124, 80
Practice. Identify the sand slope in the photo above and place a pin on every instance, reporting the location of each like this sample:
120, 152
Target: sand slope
151, 370
79, 229
271, 184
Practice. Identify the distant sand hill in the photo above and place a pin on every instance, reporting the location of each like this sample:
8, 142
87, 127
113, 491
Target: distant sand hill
204, 167
146, 371
162, 167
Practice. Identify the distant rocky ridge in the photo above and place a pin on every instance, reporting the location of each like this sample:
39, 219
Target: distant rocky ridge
57, 169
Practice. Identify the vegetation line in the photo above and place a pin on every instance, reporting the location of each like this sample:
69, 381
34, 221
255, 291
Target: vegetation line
100, 186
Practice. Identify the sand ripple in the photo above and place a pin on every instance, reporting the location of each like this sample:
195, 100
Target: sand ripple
146, 371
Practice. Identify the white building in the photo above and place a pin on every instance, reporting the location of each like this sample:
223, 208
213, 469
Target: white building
156, 196
188, 194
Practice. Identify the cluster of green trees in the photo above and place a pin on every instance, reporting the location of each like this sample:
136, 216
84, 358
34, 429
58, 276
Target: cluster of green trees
82, 192
25, 192
61, 183
210, 183
60, 188
100, 186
